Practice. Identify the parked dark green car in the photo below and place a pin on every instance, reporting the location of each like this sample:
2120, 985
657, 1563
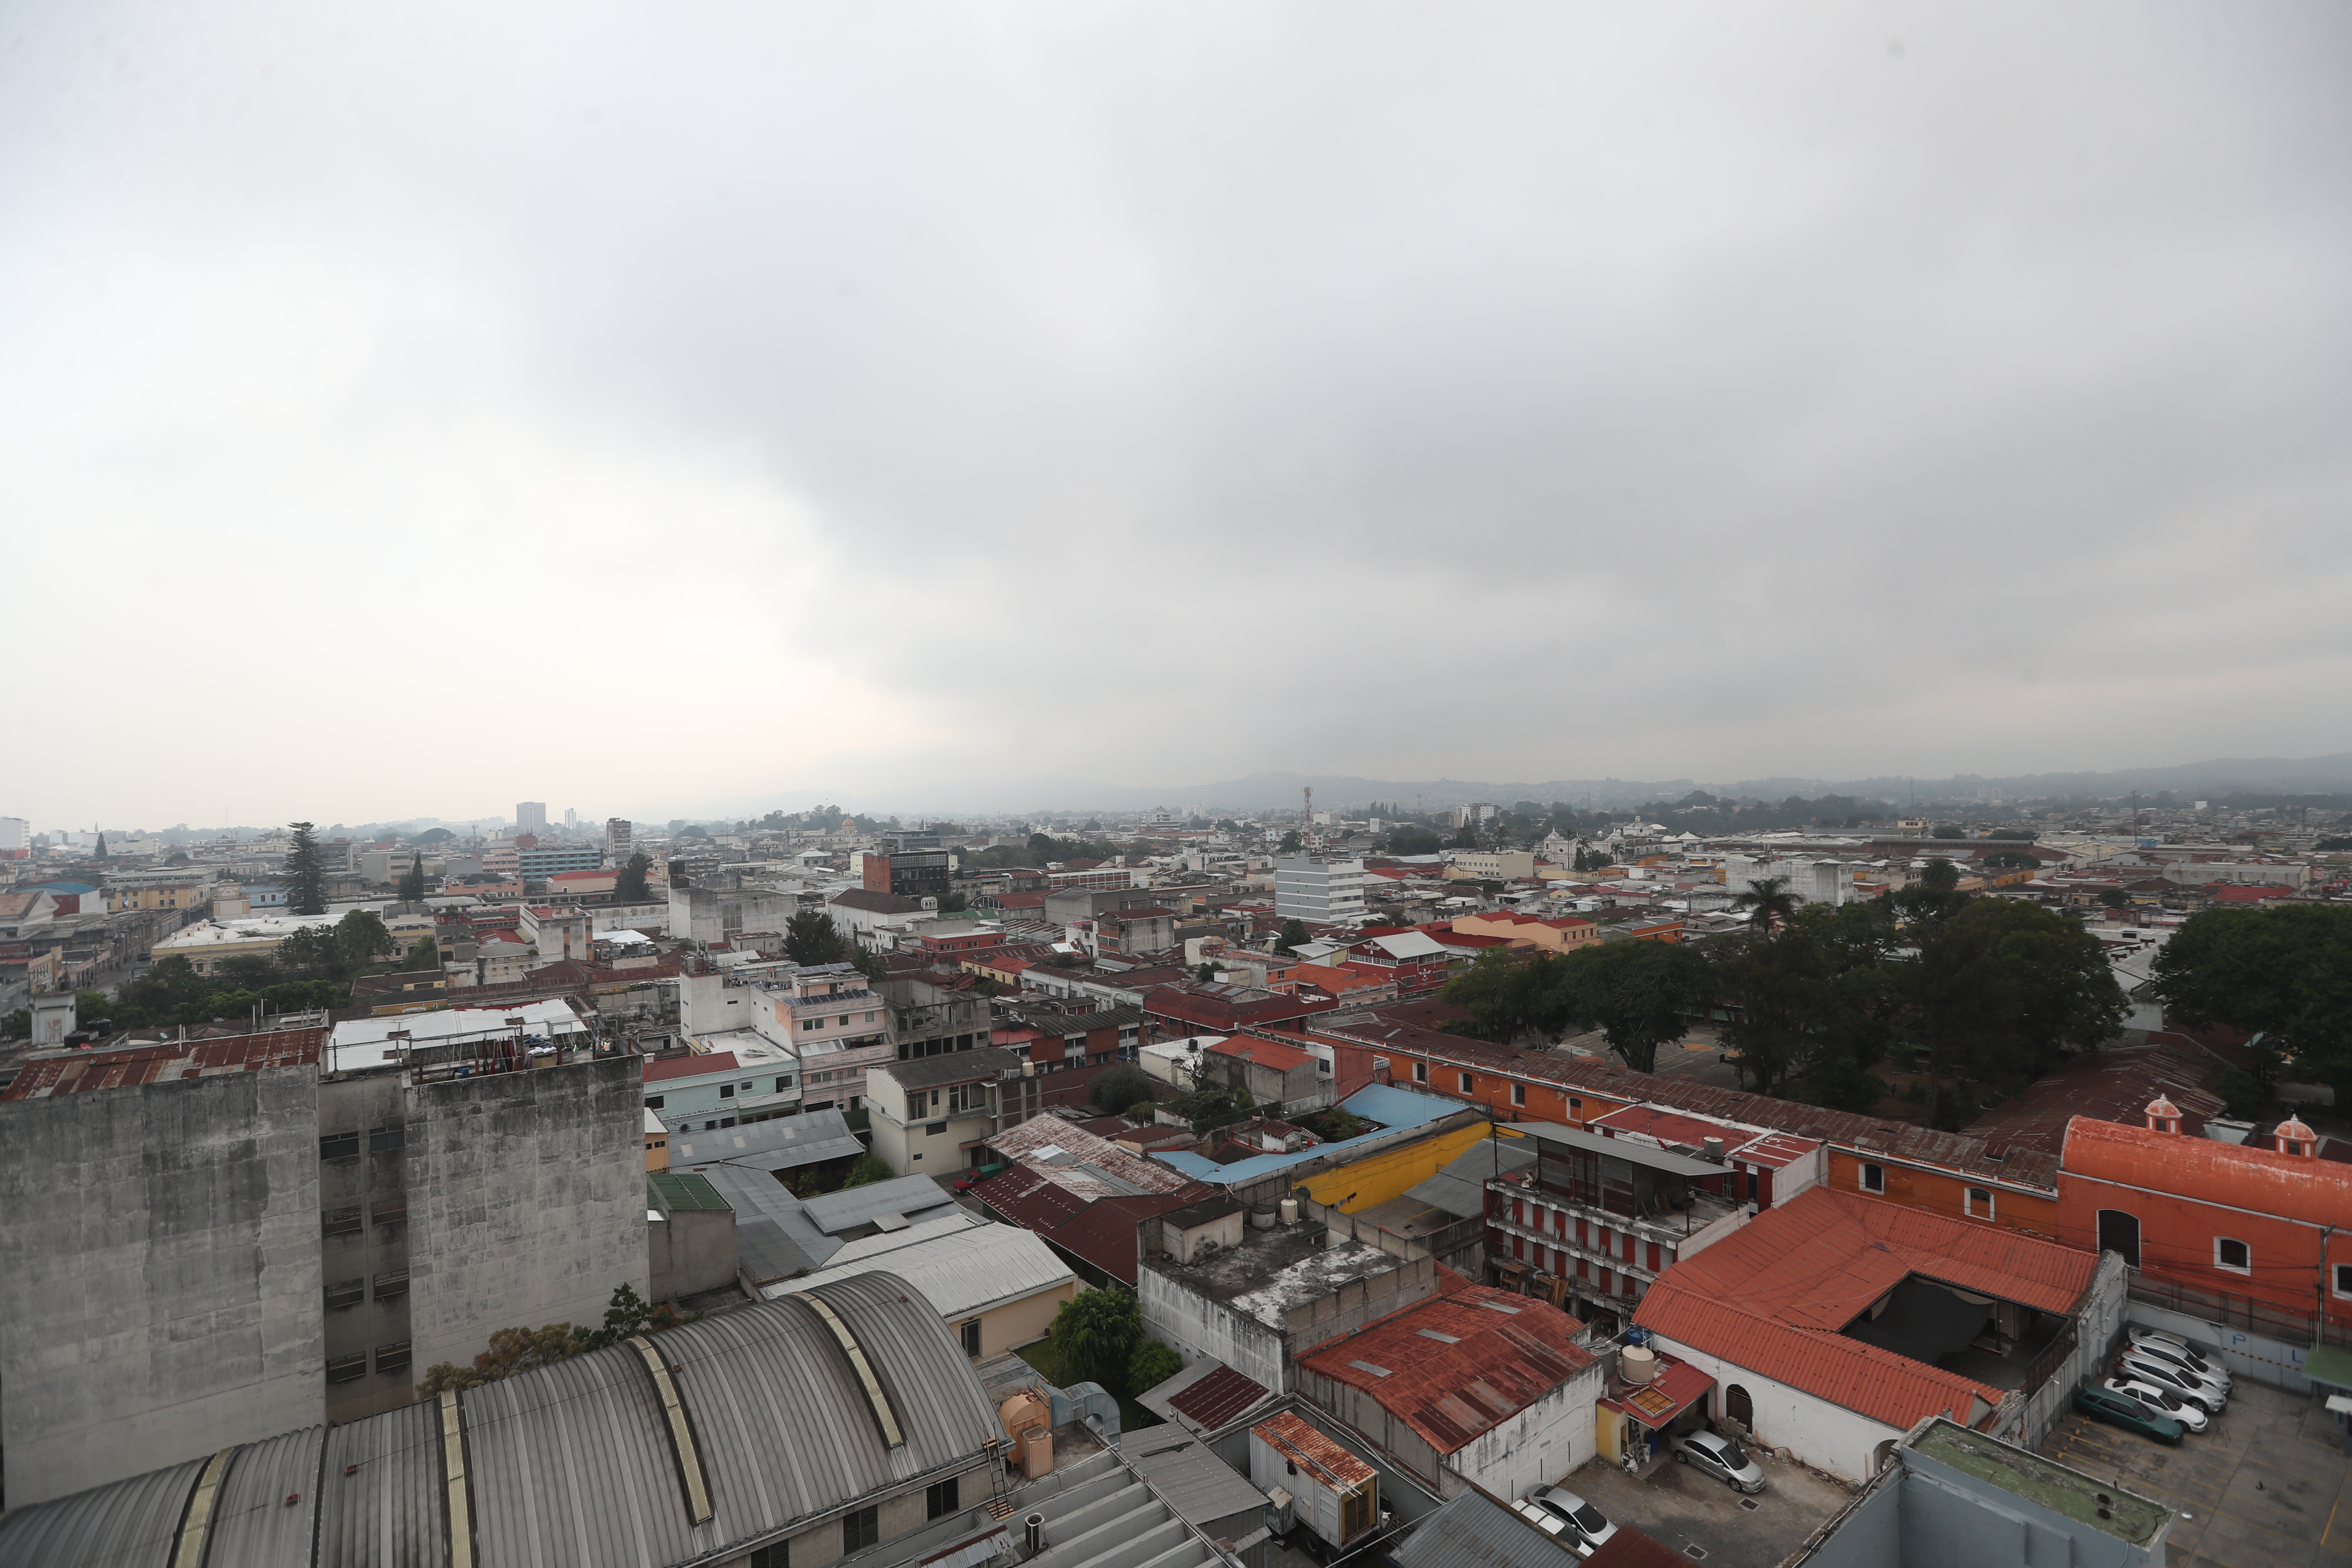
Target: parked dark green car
2122, 1410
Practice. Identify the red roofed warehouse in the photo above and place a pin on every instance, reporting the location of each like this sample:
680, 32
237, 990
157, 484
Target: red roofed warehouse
2219, 1232
1473, 1387
1833, 1324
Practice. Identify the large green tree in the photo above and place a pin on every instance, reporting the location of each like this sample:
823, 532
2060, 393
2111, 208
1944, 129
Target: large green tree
2283, 973
1641, 994
361, 939
1508, 993
1096, 1333
812, 938
1816, 1002
633, 885
306, 873
1294, 936
2003, 990
424, 955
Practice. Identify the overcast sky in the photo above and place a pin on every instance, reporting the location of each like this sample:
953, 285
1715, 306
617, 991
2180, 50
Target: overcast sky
666, 409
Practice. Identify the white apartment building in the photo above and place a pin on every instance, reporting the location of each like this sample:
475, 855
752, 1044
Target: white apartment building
1827, 882
1320, 891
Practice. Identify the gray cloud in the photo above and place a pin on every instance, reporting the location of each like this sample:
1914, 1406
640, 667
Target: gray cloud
860, 395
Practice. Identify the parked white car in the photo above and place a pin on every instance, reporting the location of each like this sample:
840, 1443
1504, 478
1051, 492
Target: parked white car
2184, 1385
1553, 1525
2163, 1401
1587, 1521
2173, 1348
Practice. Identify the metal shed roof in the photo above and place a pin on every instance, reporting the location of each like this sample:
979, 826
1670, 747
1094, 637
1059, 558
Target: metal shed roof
1460, 1189
852, 1206
775, 1236
1627, 1149
962, 1272
785, 1143
1475, 1531
262, 1515
133, 1523
387, 1513
1202, 1488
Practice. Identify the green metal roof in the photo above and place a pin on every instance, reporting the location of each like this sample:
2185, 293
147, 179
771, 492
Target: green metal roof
2325, 1364
668, 1190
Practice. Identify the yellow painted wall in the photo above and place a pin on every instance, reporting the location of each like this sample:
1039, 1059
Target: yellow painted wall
1392, 1173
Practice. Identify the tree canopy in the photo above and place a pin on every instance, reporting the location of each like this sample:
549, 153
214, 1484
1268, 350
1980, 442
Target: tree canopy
306, 872
812, 938
1294, 936
1096, 1333
2283, 973
632, 885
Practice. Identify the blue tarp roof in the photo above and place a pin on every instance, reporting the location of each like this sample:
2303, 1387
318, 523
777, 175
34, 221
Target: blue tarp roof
1398, 1109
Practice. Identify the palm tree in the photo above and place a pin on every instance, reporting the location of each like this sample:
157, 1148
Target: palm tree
1768, 902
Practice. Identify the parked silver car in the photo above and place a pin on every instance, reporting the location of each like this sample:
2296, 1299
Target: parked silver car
1720, 1457
2158, 1398
1584, 1518
1563, 1535
2184, 1385
2181, 1353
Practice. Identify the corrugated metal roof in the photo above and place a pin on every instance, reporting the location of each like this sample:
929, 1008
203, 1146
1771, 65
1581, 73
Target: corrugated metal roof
132, 1524
960, 1271
78, 1072
774, 1238
1035, 1143
785, 1143
1630, 1149
1202, 1488
388, 1512
1219, 1398
1460, 1189
852, 1206
1472, 1531
667, 1190
1456, 1366
262, 1518
1302, 1444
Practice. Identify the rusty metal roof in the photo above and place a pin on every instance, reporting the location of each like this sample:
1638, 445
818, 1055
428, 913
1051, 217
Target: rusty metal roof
1455, 1365
78, 1072
1333, 1466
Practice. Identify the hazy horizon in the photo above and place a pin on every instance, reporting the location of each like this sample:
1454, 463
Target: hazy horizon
734, 403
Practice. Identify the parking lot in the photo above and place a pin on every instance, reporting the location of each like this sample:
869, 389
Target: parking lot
1684, 1509
2264, 1486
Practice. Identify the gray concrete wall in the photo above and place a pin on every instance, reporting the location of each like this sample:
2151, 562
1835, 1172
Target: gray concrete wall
527, 1202
690, 1250
159, 1291
361, 1103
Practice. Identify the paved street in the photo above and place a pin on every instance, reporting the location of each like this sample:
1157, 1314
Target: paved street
1684, 1509
2264, 1488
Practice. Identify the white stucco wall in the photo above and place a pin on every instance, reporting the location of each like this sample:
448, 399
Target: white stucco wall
1827, 1437
1538, 1446
1198, 1327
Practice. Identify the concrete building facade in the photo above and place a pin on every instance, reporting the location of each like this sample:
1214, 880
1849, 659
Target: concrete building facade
1320, 893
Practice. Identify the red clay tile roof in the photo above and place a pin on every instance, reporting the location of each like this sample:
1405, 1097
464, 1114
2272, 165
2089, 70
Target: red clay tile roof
689, 1067
1460, 1363
2316, 1192
171, 1060
1773, 1295
2109, 1086
1264, 1053
1219, 1397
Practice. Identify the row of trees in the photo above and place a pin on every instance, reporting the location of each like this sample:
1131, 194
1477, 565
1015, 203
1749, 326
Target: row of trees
1969, 989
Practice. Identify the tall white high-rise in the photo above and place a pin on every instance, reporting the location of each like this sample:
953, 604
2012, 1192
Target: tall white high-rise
1323, 892
570, 820
531, 816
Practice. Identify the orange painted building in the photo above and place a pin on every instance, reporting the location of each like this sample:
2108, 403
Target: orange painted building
2231, 1233
2006, 1187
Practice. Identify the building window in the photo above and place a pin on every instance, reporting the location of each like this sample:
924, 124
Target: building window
783, 1082
1873, 1178
861, 1529
726, 1091
349, 1293
1518, 1094
2232, 1255
1980, 1203
1576, 1105
347, 1368
2119, 1234
388, 1211
940, 1498
392, 1357
2344, 1281
653, 1103
343, 1221
388, 1286
382, 1138
338, 1145
1468, 1082
770, 1556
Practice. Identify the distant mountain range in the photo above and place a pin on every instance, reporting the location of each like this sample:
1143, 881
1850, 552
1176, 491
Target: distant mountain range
1277, 791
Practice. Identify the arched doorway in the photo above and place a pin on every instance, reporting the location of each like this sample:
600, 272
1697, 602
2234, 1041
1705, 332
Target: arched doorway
1882, 1457
2119, 1232
1738, 1407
